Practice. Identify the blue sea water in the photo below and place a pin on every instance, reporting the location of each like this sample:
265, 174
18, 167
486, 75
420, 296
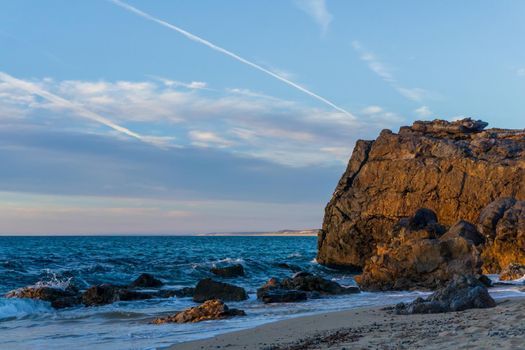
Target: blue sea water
178, 262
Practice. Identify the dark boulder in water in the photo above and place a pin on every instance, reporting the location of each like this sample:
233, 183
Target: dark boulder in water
282, 296
291, 267
146, 280
236, 270
101, 295
179, 293
462, 293
107, 293
305, 282
209, 310
208, 289
59, 298
65, 302
311, 283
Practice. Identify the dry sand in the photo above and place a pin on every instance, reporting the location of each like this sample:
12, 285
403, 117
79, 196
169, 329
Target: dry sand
502, 327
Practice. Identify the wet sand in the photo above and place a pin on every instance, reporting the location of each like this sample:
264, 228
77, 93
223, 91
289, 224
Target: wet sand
502, 327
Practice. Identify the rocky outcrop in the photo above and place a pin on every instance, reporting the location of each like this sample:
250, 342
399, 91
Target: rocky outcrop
461, 293
108, 293
59, 298
512, 272
146, 281
282, 296
301, 282
453, 168
209, 310
236, 270
307, 282
179, 293
503, 224
208, 289
420, 255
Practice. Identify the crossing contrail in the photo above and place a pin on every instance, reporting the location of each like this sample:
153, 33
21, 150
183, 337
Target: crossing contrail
34, 89
228, 53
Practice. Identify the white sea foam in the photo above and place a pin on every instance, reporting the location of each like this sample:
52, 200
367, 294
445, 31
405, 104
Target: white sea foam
17, 308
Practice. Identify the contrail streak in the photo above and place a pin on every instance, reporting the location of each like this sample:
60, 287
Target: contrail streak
62, 102
228, 53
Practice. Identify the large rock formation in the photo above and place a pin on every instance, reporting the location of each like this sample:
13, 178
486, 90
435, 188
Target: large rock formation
420, 255
503, 224
453, 168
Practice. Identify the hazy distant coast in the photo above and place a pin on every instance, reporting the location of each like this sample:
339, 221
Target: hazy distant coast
282, 233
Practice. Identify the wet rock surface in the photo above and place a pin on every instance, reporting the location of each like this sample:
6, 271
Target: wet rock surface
59, 298
462, 293
229, 271
209, 310
453, 168
302, 283
208, 289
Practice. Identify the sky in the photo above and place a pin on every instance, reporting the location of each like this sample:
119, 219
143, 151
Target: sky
179, 117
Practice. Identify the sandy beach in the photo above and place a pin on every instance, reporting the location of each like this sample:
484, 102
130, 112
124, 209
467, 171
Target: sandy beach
502, 327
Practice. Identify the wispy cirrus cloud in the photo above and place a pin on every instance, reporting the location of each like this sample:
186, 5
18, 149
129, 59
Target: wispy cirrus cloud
318, 11
237, 120
59, 102
520, 72
383, 71
231, 54
423, 111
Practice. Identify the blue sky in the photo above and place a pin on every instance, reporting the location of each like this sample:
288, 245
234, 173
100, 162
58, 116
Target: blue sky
111, 122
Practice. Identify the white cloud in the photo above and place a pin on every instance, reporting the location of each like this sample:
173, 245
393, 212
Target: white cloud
61, 103
318, 11
381, 70
520, 72
371, 110
237, 120
208, 139
423, 111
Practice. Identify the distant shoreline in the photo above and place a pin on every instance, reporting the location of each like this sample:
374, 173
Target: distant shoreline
283, 233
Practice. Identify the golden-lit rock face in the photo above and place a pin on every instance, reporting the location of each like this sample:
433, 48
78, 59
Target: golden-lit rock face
421, 254
454, 168
210, 310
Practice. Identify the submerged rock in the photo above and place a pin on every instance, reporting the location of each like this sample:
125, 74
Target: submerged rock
453, 168
512, 272
420, 256
462, 293
147, 280
208, 289
236, 270
209, 310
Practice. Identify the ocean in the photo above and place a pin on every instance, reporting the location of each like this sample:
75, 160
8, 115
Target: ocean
178, 262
